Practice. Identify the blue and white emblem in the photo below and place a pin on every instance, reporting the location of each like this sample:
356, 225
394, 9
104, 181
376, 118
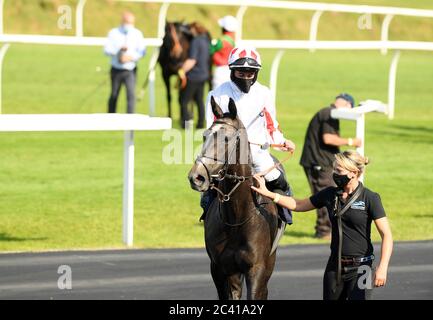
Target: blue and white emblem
358, 205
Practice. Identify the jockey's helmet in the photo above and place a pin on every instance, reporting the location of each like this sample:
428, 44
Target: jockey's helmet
244, 59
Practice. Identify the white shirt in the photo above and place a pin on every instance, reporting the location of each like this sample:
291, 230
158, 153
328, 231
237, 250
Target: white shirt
255, 109
132, 39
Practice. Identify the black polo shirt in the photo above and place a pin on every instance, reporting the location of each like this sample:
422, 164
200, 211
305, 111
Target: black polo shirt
199, 51
315, 151
356, 220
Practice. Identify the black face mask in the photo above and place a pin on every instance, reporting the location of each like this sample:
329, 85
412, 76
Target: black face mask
341, 180
243, 84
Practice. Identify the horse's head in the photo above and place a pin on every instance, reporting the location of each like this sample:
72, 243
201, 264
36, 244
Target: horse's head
176, 39
225, 143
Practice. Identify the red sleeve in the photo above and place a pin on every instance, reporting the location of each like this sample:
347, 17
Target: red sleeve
269, 123
221, 57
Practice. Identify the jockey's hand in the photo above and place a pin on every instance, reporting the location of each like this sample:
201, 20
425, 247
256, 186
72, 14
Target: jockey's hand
261, 186
288, 146
182, 77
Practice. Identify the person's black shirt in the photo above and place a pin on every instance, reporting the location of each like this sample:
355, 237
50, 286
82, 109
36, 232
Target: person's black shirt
199, 51
315, 151
356, 220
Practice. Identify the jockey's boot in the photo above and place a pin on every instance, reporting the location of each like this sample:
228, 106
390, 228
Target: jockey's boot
281, 186
206, 199
278, 185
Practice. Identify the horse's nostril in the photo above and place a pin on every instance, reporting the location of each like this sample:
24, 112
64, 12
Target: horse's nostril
196, 179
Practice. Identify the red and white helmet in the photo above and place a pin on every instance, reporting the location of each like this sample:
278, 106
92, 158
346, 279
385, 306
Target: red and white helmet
245, 57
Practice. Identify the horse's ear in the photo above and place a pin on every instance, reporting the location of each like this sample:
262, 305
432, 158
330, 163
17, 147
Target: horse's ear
215, 108
232, 109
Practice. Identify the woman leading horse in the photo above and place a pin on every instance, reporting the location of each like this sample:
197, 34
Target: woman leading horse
351, 208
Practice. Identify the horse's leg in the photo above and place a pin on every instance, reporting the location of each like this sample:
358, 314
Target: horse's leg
235, 286
221, 282
166, 77
257, 279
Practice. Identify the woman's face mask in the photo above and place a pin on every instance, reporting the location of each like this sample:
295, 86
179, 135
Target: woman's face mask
127, 27
341, 180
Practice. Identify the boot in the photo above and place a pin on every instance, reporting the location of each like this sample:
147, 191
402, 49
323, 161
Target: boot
206, 200
281, 186
278, 185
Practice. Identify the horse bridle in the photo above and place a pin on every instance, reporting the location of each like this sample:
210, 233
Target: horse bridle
222, 173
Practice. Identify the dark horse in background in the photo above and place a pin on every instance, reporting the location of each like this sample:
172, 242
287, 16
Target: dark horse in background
238, 236
174, 52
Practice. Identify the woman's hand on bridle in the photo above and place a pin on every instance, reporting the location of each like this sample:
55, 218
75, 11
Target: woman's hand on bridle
262, 186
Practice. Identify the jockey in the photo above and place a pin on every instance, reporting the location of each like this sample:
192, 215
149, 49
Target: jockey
256, 110
220, 50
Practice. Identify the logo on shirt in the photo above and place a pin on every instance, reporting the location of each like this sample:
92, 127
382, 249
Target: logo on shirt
358, 205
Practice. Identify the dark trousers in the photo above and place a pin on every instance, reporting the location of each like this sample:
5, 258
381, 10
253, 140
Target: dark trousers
319, 180
193, 91
119, 77
349, 287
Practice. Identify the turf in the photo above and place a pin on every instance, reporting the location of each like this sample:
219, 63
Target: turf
64, 190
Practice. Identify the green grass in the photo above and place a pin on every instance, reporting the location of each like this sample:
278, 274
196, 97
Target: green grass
41, 16
64, 190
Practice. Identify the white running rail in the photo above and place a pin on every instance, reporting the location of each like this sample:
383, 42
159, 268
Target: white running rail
95, 122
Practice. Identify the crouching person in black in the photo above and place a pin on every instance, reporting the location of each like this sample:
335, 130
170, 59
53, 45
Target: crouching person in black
351, 208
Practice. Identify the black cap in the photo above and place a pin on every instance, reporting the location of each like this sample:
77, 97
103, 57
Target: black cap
346, 97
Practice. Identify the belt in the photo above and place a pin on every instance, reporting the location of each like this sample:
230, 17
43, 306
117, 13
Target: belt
357, 260
338, 212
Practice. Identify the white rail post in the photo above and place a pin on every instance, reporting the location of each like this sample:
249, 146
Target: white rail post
154, 59
1, 15
392, 84
240, 17
360, 133
128, 189
314, 27
79, 18
3, 51
274, 74
151, 83
385, 31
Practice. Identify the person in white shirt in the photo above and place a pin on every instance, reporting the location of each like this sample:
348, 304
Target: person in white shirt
256, 110
125, 46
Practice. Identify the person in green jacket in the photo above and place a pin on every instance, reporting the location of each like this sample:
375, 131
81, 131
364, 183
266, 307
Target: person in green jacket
221, 49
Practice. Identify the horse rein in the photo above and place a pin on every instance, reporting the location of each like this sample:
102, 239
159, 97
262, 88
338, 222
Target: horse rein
221, 175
